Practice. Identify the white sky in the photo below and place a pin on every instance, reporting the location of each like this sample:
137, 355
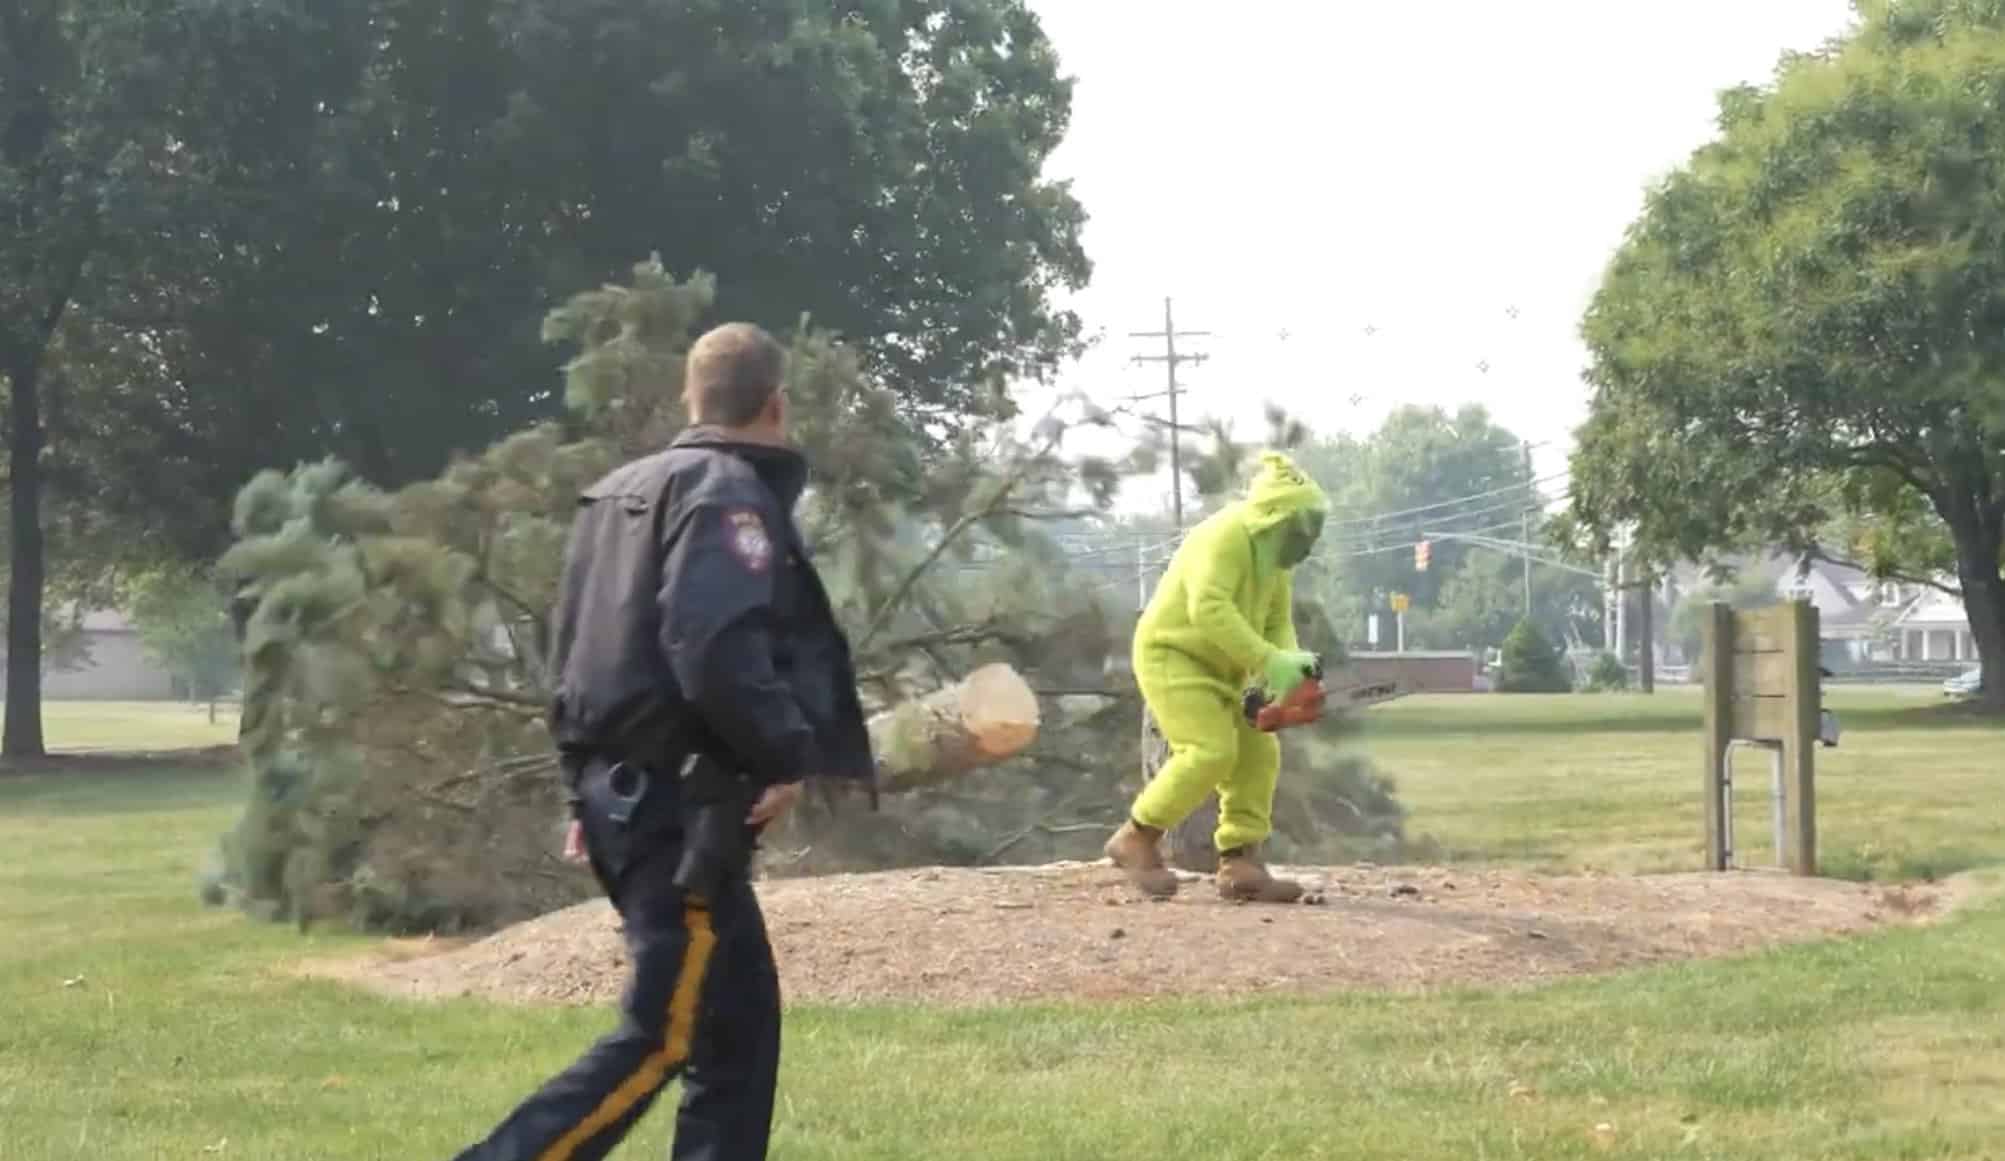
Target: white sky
1317, 168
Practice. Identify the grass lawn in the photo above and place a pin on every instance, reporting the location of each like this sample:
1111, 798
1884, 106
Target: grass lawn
140, 1025
75, 726
1613, 783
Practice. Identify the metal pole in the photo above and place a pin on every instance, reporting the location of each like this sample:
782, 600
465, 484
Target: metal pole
1726, 807
1775, 806
1621, 614
1525, 526
1176, 431
1141, 574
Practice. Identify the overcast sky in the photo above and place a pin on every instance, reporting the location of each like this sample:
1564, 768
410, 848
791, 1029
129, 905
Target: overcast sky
1294, 172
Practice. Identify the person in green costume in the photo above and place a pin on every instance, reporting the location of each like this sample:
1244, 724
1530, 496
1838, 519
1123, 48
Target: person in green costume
1222, 617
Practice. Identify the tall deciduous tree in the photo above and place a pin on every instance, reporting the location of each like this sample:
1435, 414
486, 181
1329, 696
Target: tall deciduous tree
404, 187
1805, 330
372, 203
94, 104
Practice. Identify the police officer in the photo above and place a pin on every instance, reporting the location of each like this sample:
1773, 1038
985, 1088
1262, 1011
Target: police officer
700, 675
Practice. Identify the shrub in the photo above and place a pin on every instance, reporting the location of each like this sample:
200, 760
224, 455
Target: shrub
1531, 665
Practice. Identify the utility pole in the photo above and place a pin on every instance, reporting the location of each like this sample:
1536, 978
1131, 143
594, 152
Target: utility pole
1525, 525
1621, 610
1646, 632
1170, 359
1141, 573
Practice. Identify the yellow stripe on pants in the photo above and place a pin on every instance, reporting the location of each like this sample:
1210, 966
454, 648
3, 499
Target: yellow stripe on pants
653, 1071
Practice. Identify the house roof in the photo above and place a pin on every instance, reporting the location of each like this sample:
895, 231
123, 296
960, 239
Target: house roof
1934, 609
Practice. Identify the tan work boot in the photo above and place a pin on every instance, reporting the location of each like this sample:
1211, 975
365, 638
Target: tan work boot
1243, 877
1134, 848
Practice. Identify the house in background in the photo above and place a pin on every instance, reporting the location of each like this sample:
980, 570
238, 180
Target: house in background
1864, 620
114, 666
1934, 627
1850, 616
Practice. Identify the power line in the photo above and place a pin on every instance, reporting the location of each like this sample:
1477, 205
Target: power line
1387, 526
1411, 545
1506, 489
1410, 521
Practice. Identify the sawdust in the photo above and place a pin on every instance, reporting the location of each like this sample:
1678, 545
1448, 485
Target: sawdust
1074, 931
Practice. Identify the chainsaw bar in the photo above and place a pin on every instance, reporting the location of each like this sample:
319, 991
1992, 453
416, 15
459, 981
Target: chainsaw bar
1366, 696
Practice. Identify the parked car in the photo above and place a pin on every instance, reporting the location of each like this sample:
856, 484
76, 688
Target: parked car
1964, 684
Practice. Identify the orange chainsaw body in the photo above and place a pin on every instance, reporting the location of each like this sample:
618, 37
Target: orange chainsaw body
1303, 705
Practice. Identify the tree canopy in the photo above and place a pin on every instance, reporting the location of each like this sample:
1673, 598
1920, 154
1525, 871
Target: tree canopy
243, 235
1801, 342
403, 189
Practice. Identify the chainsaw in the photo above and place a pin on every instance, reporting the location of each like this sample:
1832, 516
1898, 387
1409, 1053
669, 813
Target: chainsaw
1305, 703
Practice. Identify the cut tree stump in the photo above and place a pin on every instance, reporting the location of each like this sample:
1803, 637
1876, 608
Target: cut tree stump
987, 718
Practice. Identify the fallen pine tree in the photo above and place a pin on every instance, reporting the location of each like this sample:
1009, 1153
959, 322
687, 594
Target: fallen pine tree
395, 642
394, 646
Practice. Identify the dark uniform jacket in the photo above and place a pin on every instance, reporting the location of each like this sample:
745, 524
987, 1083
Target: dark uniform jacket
689, 617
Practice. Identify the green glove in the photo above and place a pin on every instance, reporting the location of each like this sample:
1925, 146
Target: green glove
1286, 670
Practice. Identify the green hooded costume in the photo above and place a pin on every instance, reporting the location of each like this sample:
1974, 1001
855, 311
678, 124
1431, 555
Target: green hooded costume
1223, 617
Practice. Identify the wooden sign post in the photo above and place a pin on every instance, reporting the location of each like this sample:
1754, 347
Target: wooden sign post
1763, 689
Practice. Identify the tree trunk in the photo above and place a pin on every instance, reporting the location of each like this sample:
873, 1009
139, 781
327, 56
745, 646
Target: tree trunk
987, 718
1978, 532
1984, 605
23, 729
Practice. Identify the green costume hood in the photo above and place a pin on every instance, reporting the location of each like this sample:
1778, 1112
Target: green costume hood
1279, 490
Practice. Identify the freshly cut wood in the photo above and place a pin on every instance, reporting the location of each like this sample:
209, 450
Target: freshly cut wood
986, 718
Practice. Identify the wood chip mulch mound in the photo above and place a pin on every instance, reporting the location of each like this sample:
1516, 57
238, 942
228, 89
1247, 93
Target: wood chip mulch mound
1074, 931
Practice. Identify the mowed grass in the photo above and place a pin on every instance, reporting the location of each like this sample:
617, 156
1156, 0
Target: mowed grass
1914, 789
87, 726
140, 1025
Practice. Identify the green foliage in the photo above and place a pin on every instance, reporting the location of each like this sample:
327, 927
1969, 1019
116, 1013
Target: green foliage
97, 153
1606, 674
1530, 664
1333, 805
1484, 598
1796, 342
184, 623
395, 654
406, 191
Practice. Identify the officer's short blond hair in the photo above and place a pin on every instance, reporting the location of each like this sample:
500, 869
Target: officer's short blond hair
730, 374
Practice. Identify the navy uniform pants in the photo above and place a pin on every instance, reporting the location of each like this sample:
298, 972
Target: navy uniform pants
703, 1004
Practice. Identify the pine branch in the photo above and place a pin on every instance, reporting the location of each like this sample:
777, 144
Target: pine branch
1050, 513
954, 532
977, 634
460, 695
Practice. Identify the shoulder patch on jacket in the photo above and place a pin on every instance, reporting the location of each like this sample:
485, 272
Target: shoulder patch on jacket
746, 534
